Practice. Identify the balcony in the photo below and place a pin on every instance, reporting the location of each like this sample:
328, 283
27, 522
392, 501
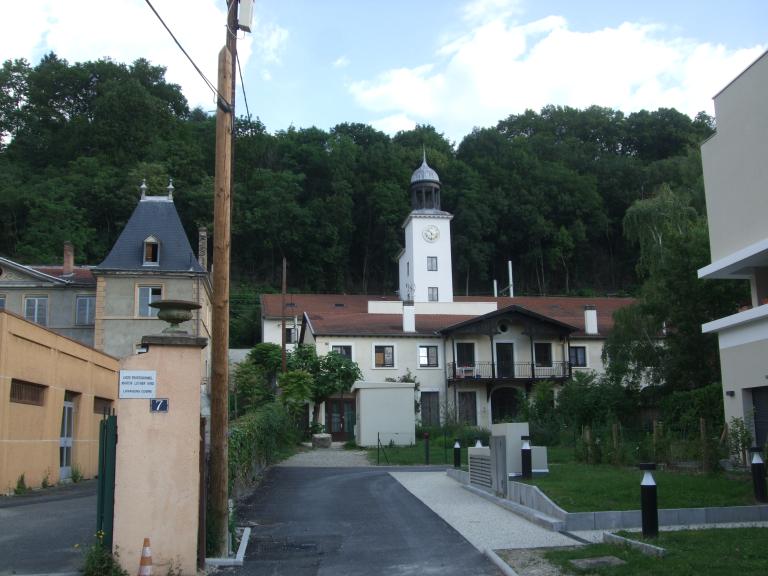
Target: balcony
508, 371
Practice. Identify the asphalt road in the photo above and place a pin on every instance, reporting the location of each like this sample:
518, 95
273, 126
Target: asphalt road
39, 531
348, 522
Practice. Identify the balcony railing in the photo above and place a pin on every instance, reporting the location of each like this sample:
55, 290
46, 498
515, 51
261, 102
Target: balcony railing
508, 371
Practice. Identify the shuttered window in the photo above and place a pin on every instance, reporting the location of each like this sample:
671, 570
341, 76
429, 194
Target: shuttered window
27, 393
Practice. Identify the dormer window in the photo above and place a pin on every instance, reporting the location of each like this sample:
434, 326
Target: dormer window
151, 252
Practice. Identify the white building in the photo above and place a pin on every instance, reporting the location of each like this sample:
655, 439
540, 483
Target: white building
469, 355
736, 186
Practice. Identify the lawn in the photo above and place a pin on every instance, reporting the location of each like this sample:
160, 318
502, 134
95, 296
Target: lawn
577, 487
712, 552
440, 452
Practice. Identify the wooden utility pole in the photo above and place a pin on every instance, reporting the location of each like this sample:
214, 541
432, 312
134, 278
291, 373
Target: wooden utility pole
219, 480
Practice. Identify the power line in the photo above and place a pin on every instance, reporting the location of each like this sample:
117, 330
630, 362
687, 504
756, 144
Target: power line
222, 101
242, 86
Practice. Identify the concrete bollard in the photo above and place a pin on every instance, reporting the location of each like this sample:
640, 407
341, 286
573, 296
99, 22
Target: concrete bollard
649, 508
457, 454
525, 454
426, 448
758, 474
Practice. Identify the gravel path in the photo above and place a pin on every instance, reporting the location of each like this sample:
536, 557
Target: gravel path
334, 457
483, 523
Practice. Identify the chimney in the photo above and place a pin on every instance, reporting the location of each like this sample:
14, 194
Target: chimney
202, 247
590, 319
409, 316
69, 259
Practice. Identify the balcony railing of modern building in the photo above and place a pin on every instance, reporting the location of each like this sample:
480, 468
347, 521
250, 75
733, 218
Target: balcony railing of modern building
525, 371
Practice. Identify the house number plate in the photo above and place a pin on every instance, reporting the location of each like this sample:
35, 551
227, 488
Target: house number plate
158, 405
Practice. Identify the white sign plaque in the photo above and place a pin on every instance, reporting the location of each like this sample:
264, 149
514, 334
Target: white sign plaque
138, 383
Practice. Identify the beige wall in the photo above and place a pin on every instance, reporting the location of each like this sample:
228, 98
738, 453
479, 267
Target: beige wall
119, 328
156, 475
30, 434
735, 167
743, 367
385, 411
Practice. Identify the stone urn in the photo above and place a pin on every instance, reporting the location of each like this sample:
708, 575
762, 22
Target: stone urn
174, 312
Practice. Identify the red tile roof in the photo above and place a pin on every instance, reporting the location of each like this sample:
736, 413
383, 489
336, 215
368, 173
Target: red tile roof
80, 274
364, 324
345, 314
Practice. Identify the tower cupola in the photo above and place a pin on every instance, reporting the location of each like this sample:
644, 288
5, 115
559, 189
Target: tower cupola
425, 187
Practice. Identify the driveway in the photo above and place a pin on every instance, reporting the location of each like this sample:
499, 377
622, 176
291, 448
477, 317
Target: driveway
349, 521
39, 531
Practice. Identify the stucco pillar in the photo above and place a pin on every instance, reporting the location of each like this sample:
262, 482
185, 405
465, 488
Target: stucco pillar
157, 469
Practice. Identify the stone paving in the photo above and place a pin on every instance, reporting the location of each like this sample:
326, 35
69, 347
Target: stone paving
334, 457
482, 523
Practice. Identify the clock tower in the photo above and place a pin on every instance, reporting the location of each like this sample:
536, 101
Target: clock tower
425, 262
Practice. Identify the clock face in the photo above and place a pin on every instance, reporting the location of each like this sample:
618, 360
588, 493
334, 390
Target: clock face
431, 233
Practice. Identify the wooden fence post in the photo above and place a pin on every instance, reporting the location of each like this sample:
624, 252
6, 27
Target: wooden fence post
615, 438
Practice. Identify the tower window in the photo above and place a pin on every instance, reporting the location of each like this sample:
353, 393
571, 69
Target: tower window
147, 295
151, 252
432, 294
432, 263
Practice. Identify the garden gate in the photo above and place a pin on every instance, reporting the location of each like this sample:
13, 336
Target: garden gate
105, 508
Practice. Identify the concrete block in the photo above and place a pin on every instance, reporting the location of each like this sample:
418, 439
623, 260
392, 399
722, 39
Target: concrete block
689, 516
580, 521
608, 520
321, 440
732, 514
669, 517
631, 519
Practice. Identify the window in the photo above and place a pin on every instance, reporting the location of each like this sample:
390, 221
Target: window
290, 335
543, 354
27, 393
384, 356
343, 349
36, 309
2, 301
85, 310
578, 356
151, 252
427, 356
465, 354
147, 295
432, 263
102, 406
432, 294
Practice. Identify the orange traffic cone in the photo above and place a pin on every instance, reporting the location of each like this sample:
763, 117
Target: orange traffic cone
145, 566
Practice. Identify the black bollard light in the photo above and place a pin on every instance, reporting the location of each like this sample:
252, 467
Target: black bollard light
649, 509
457, 454
525, 455
758, 474
426, 448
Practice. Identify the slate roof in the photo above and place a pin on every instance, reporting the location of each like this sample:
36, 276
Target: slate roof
342, 314
154, 216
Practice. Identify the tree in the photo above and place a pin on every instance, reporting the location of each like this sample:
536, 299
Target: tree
336, 375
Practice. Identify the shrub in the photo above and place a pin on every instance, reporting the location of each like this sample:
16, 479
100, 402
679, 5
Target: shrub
77, 475
259, 436
21, 485
99, 562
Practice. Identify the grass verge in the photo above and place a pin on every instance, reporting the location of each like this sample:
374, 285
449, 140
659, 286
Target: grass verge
712, 552
586, 488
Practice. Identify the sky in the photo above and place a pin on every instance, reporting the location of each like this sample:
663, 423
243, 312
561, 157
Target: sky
393, 64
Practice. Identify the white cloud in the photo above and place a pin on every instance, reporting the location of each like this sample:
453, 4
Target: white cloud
481, 10
125, 30
393, 124
500, 67
341, 62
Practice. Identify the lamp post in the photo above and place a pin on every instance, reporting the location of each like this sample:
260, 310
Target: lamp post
758, 474
457, 454
648, 502
525, 456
